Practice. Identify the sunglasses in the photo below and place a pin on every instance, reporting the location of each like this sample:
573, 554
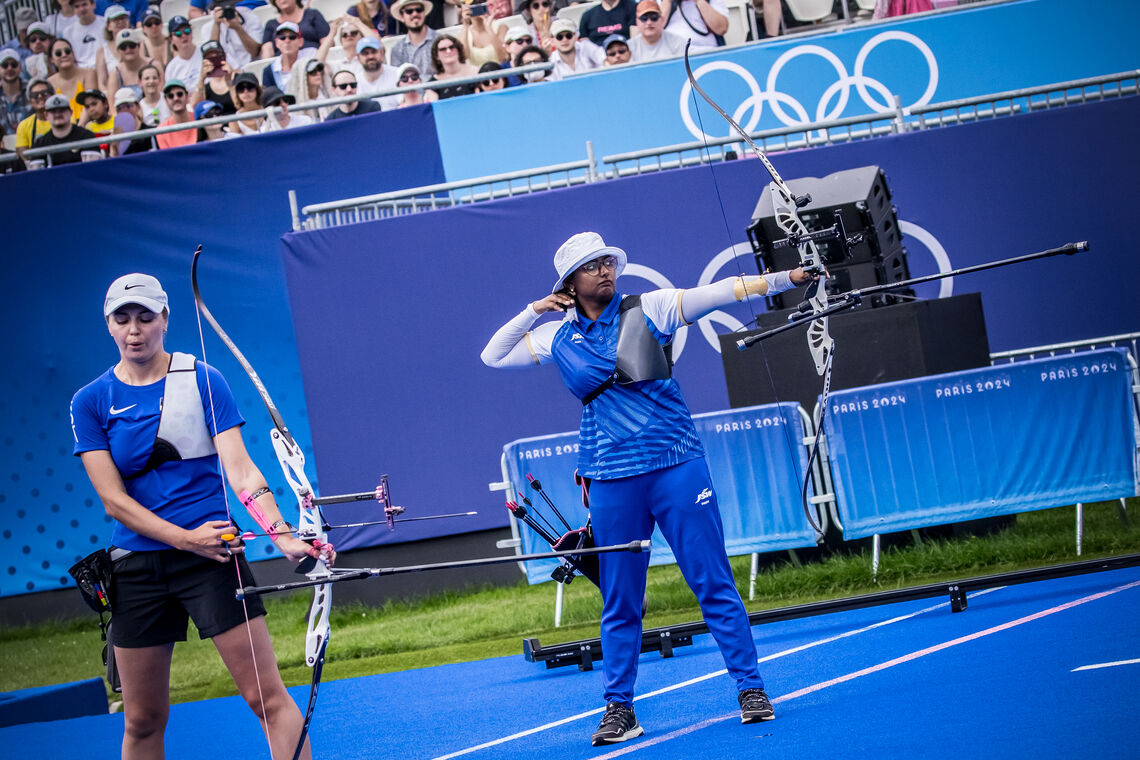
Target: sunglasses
540, 5
10, 65
614, 52
129, 46
245, 87
62, 53
345, 86
649, 17
411, 76
523, 40
152, 22
175, 94
37, 38
183, 32
414, 10
564, 36
39, 94
287, 36
446, 49
351, 33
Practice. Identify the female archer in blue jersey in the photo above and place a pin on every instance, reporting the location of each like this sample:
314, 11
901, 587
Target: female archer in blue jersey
640, 452
150, 432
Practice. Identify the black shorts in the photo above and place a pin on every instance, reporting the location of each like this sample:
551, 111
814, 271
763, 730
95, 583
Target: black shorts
154, 594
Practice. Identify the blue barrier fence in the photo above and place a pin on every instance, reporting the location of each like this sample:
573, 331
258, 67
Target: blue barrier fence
756, 459
982, 443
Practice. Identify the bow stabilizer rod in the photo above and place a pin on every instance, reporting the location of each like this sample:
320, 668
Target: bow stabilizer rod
373, 572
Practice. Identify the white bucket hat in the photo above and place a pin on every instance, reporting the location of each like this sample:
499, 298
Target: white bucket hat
580, 248
142, 289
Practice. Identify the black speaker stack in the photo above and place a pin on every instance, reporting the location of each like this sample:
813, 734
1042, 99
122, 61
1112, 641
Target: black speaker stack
862, 199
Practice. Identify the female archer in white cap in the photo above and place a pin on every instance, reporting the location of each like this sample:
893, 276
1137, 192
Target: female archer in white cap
640, 452
150, 432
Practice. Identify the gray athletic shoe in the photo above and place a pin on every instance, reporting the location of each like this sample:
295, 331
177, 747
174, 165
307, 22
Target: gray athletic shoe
618, 724
754, 706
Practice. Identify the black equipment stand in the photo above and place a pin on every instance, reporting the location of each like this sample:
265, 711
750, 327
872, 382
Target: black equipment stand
666, 639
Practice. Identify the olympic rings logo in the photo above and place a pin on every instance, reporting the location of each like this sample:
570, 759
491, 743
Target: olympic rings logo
832, 103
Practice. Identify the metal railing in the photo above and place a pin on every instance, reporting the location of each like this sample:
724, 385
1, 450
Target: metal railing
996, 105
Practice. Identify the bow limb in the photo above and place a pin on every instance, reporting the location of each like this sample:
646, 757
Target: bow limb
310, 523
785, 205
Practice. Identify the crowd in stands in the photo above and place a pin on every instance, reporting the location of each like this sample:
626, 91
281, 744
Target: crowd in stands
95, 68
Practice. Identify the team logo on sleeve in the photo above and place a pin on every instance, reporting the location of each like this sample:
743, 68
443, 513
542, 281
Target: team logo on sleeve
704, 496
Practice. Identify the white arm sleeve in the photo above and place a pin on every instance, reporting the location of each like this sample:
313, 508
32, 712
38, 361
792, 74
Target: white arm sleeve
671, 308
512, 346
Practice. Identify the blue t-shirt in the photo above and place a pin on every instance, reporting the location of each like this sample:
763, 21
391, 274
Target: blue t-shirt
629, 429
109, 415
136, 8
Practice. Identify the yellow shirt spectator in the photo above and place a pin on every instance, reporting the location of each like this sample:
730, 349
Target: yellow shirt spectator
24, 130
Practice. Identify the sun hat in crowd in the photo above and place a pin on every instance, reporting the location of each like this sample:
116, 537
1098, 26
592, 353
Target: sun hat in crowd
128, 35
142, 289
125, 95
580, 248
24, 18
648, 6
397, 7
563, 25
176, 23
368, 42
612, 39
246, 77
41, 27
313, 64
8, 54
287, 26
271, 96
114, 11
517, 31
174, 83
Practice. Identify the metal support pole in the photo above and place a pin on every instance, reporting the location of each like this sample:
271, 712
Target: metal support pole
752, 573
295, 211
558, 605
875, 544
898, 126
1080, 526
592, 169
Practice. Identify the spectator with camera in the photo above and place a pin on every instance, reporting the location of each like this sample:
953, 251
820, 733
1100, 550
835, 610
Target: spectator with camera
309, 24
617, 50
216, 80
126, 74
117, 19
702, 21
483, 42
572, 55
14, 103
178, 102
155, 46
237, 29
416, 47
610, 17
63, 131
186, 63
344, 84
291, 54
654, 42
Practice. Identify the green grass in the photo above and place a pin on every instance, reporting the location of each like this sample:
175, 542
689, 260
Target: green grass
491, 622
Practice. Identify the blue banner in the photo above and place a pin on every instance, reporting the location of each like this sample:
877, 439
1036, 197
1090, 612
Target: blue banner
790, 80
755, 459
70, 231
995, 441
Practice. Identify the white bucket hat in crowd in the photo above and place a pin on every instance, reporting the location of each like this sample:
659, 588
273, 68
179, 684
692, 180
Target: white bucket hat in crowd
137, 288
580, 248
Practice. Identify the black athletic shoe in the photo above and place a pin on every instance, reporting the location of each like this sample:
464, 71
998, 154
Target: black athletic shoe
618, 724
754, 706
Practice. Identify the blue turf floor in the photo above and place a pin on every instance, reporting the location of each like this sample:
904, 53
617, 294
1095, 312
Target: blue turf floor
903, 680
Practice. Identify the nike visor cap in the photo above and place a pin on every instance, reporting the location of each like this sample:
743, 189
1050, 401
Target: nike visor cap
137, 288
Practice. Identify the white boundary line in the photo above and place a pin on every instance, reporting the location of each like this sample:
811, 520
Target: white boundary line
873, 669
1105, 665
698, 679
